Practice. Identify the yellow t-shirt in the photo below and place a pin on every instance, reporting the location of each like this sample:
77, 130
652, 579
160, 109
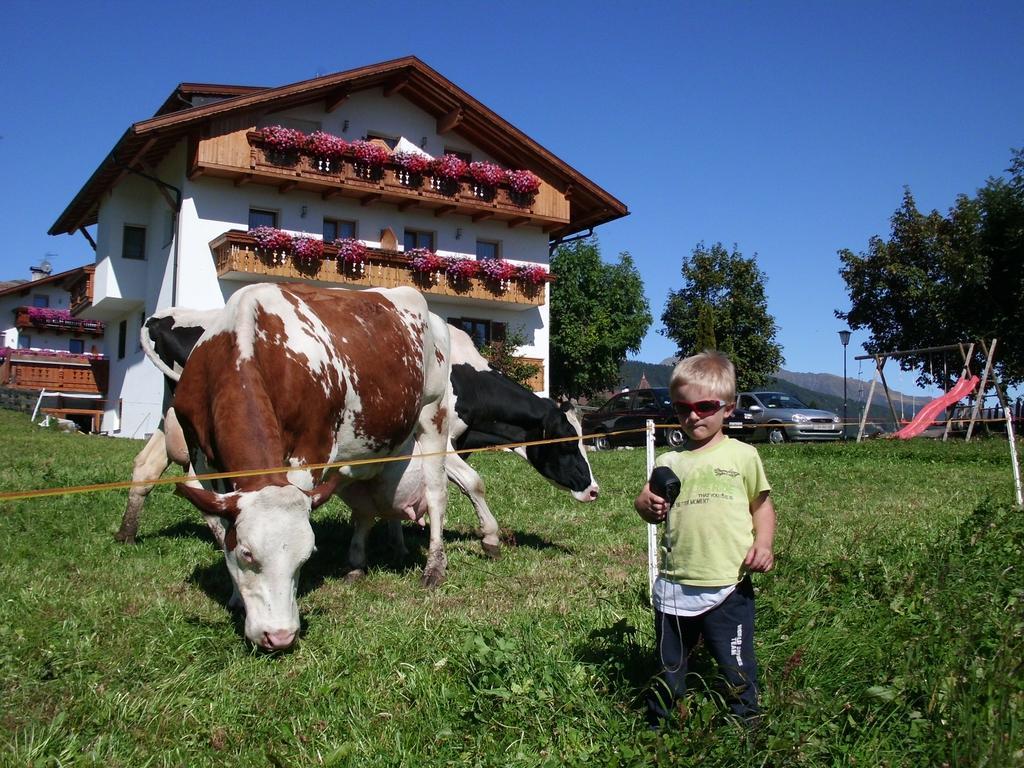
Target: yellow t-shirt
709, 525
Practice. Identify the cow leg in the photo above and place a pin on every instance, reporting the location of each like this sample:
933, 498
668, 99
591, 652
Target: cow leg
151, 462
364, 513
433, 440
398, 549
472, 486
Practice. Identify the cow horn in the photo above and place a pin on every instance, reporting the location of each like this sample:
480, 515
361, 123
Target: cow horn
210, 503
325, 490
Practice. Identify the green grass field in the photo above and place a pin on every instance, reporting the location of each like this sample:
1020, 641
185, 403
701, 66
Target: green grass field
890, 632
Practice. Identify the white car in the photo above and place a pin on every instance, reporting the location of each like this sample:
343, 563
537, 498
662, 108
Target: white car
785, 417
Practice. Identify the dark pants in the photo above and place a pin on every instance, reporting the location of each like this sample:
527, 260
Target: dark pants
728, 632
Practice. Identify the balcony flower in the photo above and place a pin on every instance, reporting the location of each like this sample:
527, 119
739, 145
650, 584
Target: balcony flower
460, 269
370, 153
281, 139
424, 260
498, 269
413, 162
6, 352
523, 183
449, 167
532, 274
273, 242
326, 150
351, 255
308, 251
489, 174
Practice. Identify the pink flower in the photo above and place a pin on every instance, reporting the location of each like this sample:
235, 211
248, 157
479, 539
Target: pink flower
308, 250
534, 274
325, 145
413, 162
350, 251
425, 260
282, 139
498, 269
523, 182
370, 152
271, 239
462, 269
490, 174
449, 167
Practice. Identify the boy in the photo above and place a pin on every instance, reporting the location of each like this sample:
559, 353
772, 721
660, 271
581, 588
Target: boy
719, 530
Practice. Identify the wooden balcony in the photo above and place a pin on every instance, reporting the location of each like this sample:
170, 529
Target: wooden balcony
59, 322
81, 290
84, 374
237, 258
239, 156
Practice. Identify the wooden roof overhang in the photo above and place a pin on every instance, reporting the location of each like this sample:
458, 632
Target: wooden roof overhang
145, 143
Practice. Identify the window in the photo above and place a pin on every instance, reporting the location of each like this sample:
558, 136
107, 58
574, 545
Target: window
645, 401
487, 249
480, 330
122, 338
40, 300
133, 242
335, 229
459, 153
391, 141
261, 218
76, 346
415, 238
24, 342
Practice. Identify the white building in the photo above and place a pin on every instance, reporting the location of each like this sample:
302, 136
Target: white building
173, 203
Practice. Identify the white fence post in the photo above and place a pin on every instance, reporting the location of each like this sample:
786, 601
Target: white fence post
652, 530
1013, 456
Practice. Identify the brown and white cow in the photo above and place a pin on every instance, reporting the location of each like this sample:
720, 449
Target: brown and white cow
290, 375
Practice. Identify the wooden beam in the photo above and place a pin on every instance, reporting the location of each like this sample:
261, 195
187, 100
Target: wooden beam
444, 210
287, 186
88, 237
195, 173
481, 216
243, 179
447, 122
335, 99
330, 194
407, 204
396, 85
518, 220
141, 151
370, 198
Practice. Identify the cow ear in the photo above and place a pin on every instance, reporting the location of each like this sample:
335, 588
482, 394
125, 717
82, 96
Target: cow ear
210, 503
325, 490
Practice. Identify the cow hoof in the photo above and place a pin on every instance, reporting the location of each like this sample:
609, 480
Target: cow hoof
355, 575
125, 537
433, 577
493, 551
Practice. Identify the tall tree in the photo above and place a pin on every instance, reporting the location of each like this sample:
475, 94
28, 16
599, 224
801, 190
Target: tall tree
722, 301
598, 314
940, 280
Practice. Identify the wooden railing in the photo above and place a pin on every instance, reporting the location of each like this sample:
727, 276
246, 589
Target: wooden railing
56, 373
82, 291
240, 156
56, 322
237, 258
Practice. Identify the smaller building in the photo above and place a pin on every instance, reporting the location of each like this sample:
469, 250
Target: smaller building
45, 349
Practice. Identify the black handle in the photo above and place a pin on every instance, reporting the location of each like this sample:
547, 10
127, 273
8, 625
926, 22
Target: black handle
664, 483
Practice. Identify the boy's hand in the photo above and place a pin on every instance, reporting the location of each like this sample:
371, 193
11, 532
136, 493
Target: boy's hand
650, 507
759, 559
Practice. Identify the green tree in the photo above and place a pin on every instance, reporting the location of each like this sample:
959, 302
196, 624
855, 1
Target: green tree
940, 280
598, 315
502, 355
722, 303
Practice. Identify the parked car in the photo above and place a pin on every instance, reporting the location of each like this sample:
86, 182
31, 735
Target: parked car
740, 424
784, 417
630, 411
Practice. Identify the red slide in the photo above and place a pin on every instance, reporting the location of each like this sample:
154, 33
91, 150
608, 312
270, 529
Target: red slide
926, 415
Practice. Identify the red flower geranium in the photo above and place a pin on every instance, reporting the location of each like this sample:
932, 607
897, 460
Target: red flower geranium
350, 251
325, 145
271, 239
413, 162
281, 139
449, 167
371, 153
307, 250
523, 183
533, 274
498, 269
490, 174
462, 269
425, 260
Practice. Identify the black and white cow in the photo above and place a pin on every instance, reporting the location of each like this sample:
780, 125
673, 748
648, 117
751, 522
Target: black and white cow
487, 409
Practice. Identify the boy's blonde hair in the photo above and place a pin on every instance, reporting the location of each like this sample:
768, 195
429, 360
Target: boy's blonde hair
710, 370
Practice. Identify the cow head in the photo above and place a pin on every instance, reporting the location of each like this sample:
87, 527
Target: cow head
267, 539
564, 464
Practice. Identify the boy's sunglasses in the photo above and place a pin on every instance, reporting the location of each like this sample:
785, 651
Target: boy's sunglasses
703, 408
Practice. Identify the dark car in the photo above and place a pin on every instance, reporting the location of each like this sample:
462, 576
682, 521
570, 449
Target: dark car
740, 424
629, 412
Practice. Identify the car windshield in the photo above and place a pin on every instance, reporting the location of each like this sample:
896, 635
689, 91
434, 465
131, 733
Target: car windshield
779, 400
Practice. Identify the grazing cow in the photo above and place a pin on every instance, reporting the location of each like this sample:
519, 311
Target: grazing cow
291, 375
486, 409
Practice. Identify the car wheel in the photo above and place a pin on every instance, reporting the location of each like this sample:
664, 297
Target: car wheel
674, 438
776, 435
602, 443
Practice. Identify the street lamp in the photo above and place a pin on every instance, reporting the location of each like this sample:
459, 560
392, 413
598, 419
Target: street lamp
844, 337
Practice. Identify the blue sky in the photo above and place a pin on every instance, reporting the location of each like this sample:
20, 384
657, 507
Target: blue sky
786, 128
